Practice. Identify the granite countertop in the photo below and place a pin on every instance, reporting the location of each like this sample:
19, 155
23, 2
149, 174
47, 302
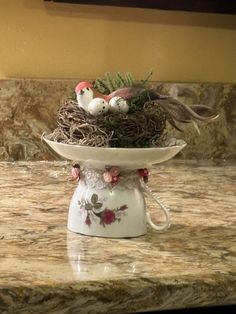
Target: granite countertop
45, 268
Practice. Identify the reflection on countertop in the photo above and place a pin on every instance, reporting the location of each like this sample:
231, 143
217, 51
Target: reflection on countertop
45, 268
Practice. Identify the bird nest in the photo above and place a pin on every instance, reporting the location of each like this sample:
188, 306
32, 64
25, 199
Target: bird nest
143, 125
143, 128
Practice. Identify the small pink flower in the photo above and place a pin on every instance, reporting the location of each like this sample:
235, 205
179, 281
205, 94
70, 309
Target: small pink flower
108, 217
75, 173
114, 171
107, 177
143, 172
115, 179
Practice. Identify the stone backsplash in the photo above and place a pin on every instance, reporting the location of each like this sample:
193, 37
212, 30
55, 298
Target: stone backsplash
28, 108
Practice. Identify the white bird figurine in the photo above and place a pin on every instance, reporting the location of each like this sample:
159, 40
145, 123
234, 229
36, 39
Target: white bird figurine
84, 94
101, 103
85, 98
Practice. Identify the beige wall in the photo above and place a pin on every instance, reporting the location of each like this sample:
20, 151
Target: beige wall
68, 41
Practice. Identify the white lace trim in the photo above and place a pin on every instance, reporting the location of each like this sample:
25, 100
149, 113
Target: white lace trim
93, 178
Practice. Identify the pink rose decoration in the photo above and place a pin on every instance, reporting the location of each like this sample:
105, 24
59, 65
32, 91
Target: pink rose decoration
108, 217
115, 179
143, 172
114, 171
107, 177
75, 173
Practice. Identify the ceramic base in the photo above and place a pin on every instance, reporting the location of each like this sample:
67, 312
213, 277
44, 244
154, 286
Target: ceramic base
122, 215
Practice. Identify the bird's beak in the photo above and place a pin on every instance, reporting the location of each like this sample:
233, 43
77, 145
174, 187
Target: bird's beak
81, 92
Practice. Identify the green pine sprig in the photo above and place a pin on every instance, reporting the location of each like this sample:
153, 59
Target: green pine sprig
110, 83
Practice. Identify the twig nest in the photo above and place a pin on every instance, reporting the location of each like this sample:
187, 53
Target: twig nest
98, 106
136, 116
118, 104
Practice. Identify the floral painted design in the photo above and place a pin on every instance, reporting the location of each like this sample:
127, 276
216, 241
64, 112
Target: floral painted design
108, 217
96, 213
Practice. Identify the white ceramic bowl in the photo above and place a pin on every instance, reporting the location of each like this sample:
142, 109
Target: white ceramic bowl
132, 158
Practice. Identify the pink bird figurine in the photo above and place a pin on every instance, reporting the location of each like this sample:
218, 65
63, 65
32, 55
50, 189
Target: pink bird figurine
90, 100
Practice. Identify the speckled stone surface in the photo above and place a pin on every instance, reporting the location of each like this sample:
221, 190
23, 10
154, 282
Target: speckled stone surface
28, 108
46, 269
